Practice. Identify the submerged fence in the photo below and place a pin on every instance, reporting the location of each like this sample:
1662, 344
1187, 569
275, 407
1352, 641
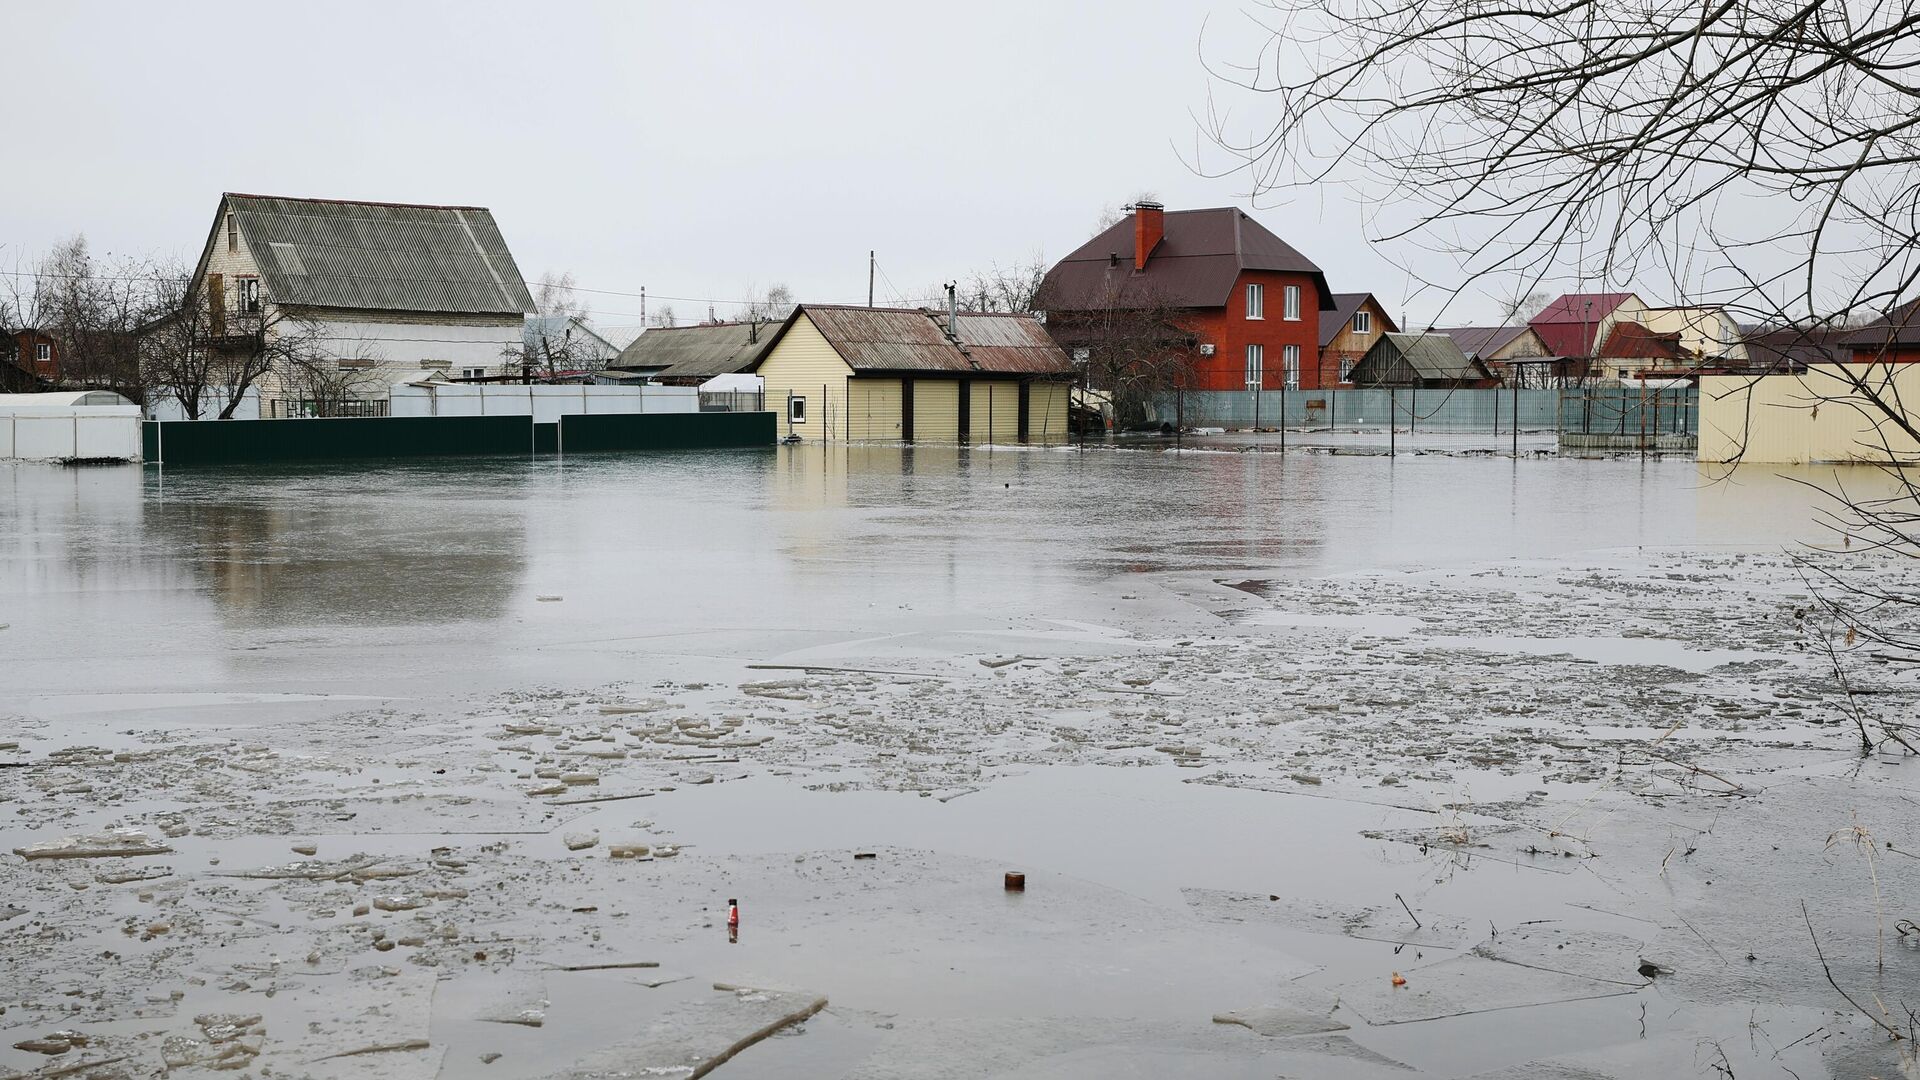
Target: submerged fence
1621, 410
230, 442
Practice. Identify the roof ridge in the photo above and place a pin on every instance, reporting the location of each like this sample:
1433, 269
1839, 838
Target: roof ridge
350, 202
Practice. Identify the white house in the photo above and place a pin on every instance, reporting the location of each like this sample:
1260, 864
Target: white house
388, 290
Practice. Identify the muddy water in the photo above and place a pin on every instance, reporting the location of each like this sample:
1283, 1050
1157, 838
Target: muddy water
1259, 729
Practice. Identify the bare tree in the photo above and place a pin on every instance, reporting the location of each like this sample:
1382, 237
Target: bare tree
206, 347
89, 310
1130, 345
1013, 289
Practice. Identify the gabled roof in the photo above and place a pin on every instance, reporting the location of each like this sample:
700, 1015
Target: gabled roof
332, 253
1632, 341
1569, 323
914, 340
1790, 349
1900, 327
1195, 264
1432, 356
1480, 342
560, 326
699, 351
1344, 305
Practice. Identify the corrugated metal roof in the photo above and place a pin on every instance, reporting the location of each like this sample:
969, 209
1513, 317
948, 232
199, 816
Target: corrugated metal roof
1901, 327
1430, 356
1195, 264
1574, 308
1632, 341
1483, 341
699, 351
322, 253
911, 340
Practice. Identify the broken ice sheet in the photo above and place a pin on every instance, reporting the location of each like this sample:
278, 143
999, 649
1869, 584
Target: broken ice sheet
109, 844
514, 997
695, 1037
1462, 985
1390, 923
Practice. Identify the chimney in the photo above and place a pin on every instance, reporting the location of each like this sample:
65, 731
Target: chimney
1149, 225
953, 312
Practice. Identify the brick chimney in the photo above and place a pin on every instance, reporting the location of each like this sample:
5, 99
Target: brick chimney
1149, 225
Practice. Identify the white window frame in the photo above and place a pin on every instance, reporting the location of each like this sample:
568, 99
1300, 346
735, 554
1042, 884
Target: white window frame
1363, 322
1346, 369
1256, 366
473, 373
247, 295
1290, 364
796, 409
43, 352
1256, 301
1291, 310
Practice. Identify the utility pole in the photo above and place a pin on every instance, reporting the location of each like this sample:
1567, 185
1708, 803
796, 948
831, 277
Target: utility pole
643, 307
870, 268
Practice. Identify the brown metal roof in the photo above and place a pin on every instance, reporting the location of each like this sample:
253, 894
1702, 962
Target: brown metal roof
1195, 264
1631, 341
699, 351
1901, 327
1344, 305
1481, 342
910, 340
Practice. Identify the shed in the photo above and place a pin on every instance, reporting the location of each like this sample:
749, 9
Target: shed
1420, 361
840, 373
69, 425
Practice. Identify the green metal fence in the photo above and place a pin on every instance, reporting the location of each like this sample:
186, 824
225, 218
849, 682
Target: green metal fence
228, 442
589, 433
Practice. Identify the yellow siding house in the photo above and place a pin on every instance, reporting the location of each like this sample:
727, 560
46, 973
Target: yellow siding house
853, 374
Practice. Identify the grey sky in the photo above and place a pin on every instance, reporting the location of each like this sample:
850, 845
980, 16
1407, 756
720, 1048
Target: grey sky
698, 149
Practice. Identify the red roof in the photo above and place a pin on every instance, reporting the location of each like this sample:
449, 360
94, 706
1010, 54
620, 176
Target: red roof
1631, 341
1580, 308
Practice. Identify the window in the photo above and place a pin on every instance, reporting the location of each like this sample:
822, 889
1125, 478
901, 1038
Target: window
1293, 302
1256, 301
796, 410
233, 236
1290, 362
1256, 365
247, 294
1346, 369
43, 352
1363, 322
473, 373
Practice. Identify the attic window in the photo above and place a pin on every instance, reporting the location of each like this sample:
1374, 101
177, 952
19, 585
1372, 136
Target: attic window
233, 235
1363, 322
1113, 259
288, 257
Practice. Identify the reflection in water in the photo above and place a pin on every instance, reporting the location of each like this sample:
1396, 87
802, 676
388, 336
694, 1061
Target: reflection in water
297, 547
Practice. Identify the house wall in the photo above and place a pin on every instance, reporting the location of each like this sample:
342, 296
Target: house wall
1047, 413
28, 343
1772, 419
1897, 354
1349, 346
996, 411
875, 412
1230, 332
1705, 332
804, 365
936, 411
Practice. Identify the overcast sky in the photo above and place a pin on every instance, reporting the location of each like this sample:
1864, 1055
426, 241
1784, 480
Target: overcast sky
699, 149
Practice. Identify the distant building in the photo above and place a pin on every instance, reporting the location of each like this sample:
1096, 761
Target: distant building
1790, 350
1241, 306
1706, 332
33, 356
840, 374
1575, 325
392, 291
691, 355
1419, 362
567, 343
1515, 355
1632, 351
1347, 332
1891, 339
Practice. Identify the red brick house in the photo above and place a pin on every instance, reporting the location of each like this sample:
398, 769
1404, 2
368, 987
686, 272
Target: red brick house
1893, 339
33, 352
1242, 305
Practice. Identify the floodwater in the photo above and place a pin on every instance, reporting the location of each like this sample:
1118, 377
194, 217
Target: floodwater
1261, 729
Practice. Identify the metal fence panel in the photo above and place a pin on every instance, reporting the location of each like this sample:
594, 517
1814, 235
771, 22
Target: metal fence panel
195, 442
1618, 409
598, 432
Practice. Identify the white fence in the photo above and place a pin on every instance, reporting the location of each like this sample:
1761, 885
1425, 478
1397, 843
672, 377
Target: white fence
89, 432
546, 404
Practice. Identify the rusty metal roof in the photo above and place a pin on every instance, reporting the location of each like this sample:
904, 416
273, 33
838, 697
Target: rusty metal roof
1195, 264
699, 351
329, 253
914, 340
